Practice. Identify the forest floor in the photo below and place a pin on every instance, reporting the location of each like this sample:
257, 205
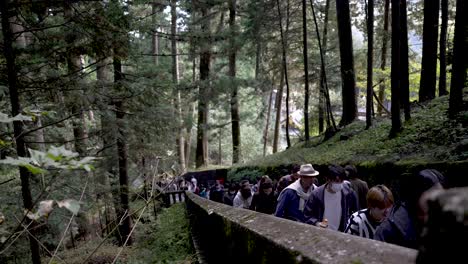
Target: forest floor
164, 240
429, 136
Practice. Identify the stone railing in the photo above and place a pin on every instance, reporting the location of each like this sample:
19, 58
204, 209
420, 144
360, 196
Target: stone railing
224, 234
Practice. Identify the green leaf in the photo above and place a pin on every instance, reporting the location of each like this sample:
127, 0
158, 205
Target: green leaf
70, 204
33, 169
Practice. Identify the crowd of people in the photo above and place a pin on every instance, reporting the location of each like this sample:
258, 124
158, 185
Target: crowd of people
343, 203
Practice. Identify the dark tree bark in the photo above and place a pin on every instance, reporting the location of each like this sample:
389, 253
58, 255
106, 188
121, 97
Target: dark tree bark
74, 67
124, 210
347, 63
180, 141
404, 68
285, 67
460, 64
235, 119
442, 49
383, 61
13, 88
429, 51
306, 69
331, 126
396, 35
322, 105
370, 56
203, 102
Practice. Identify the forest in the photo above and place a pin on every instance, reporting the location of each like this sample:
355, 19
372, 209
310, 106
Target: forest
99, 100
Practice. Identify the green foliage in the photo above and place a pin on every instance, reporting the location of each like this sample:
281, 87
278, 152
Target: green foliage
429, 136
237, 174
165, 241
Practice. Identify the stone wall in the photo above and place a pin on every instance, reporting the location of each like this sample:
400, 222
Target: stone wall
224, 234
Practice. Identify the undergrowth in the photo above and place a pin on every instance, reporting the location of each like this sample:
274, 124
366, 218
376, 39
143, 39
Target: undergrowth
430, 136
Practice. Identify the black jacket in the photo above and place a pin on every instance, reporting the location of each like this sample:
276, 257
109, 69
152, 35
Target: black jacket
399, 228
315, 206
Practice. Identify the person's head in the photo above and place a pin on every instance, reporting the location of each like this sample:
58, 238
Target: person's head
245, 189
335, 177
351, 171
307, 173
427, 181
379, 202
295, 171
232, 189
266, 185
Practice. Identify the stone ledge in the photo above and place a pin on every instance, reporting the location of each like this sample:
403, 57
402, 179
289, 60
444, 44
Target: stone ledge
233, 235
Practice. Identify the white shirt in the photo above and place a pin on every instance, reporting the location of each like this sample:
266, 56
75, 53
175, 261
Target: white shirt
239, 201
332, 209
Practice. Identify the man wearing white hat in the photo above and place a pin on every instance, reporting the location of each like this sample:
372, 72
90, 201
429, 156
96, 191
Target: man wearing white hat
292, 199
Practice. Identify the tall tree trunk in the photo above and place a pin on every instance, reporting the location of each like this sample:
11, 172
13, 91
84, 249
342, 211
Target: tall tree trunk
189, 128
396, 35
429, 50
404, 67
370, 57
204, 88
154, 36
306, 69
124, 211
285, 67
74, 68
235, 119
180, 142
13, 88
331, 126
322, 104
348, 95
267, 125
383, 61
442, 50
278, 105
107, 190
460, 64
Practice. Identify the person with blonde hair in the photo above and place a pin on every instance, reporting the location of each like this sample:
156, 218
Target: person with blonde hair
364, 222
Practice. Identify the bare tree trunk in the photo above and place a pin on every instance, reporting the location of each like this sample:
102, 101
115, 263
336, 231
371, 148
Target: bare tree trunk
124, 211
396, 35
180, 142
13, 88
306, 70
278, 105
204, 89
383, 62
154, 36
267, 125
429, 52
235, 119
442, 50
460, 64
74, 68
322, 105
348, 95
370, 56
285, 67
404, 66
106, 189
323, 75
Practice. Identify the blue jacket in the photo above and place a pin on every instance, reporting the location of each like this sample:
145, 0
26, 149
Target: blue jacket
315, 206
288, 206
398, 228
